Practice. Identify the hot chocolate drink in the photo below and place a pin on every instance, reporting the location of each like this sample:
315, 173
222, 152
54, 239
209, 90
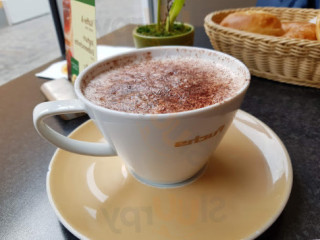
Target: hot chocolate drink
163, 85
160, 124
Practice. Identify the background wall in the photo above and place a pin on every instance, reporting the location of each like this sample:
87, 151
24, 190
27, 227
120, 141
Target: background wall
195, 10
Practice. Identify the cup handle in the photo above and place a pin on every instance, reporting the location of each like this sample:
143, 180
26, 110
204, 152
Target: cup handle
48, 109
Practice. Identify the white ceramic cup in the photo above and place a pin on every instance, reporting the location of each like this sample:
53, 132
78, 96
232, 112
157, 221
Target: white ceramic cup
157, 148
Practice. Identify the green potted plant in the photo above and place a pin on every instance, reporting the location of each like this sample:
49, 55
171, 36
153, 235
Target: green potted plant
166, 31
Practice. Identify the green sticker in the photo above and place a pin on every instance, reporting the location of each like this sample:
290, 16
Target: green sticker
74, 69
89, 2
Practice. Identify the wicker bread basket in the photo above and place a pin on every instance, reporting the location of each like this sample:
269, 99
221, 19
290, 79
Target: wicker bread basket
281, 59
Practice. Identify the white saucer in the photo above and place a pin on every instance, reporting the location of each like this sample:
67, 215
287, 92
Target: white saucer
242, 192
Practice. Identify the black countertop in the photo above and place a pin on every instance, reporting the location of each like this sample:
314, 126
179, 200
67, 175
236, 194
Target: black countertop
293, 112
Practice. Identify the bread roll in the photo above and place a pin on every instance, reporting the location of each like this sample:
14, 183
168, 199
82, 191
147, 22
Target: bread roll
301, 30
254, 21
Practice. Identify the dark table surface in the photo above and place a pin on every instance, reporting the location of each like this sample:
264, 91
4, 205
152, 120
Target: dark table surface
293, 112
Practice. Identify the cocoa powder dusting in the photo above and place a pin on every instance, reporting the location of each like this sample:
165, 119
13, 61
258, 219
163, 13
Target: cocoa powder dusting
162, 86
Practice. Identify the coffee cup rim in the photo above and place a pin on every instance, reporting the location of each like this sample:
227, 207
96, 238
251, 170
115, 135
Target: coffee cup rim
242, 90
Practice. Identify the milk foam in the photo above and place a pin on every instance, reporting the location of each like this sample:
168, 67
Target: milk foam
166, 85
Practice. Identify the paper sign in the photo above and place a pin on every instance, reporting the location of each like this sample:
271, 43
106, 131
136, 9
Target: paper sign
82, 37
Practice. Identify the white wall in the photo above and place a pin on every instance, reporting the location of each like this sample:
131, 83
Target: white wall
22, 10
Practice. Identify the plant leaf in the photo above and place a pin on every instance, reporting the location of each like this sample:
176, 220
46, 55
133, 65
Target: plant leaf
175, 9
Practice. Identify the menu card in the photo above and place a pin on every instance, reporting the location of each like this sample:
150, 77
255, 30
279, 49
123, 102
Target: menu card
80, 35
